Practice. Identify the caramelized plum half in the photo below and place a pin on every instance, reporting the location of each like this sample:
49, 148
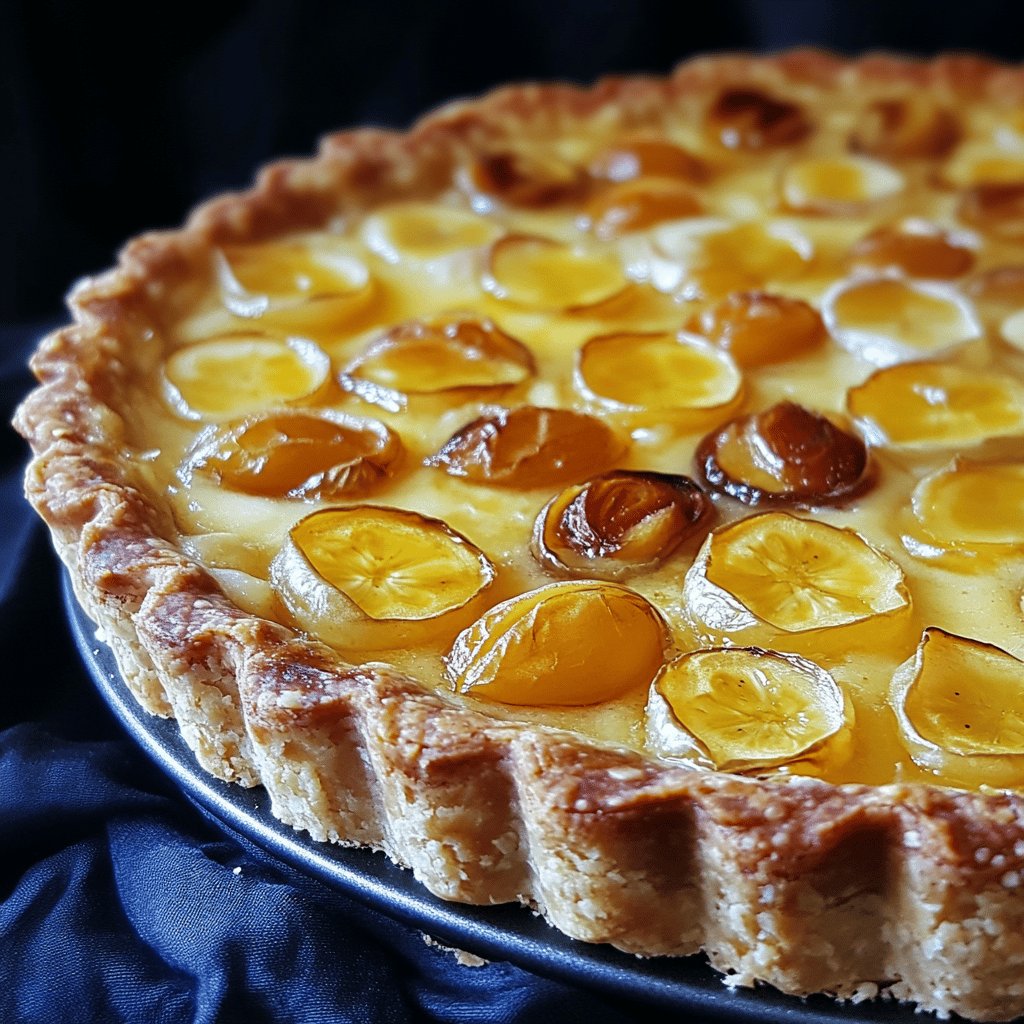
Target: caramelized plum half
995, 207
525, 179
637, 204
309, 456
572, 643
747, 118
293, 288
999, 290
784, 455
757, 328
640, 158
707, 258
529, 447
618, 523
886, 320
909, 126
659, 378
917, 248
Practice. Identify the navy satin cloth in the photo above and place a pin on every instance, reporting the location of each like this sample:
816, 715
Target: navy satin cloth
120, 902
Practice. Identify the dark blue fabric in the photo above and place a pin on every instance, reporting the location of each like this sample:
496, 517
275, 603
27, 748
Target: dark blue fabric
120, 902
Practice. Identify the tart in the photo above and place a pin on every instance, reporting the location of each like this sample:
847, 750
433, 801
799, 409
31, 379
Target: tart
606, 499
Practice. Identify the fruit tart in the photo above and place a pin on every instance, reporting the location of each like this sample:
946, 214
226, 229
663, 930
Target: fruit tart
608, 499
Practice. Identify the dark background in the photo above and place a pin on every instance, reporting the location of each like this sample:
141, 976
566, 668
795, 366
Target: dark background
117, 902
116, 122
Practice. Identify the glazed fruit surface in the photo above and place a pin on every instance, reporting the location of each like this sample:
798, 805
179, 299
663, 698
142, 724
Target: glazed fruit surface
708, 441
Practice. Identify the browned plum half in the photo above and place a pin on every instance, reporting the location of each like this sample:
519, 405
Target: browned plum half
785, 455
757, 328
995, 207
749, 119
640, 158
526, 179
314, 456
639, 203
905, 126
621, 522
918, 250
530, 447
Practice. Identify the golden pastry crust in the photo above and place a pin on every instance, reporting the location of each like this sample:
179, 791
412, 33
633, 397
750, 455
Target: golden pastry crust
914, 891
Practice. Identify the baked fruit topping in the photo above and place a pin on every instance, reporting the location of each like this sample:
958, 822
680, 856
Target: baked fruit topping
995, 161
371, 578
619, 524
998, 292
426, 233
958, 703
293, 287
529, 447
972, 506
936, 406
706, 258
525, 179
786, 454
839, 184
637, 204
649, 157
917, 248
758, 328
888, 320
996, 207
312, 456
669, 377
574, 643
540, 273
743, 709
905, 127
456, 356
785, 583
238, 374
749, 119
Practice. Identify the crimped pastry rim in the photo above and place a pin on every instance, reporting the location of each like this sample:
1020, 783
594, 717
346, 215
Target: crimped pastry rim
922, 884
